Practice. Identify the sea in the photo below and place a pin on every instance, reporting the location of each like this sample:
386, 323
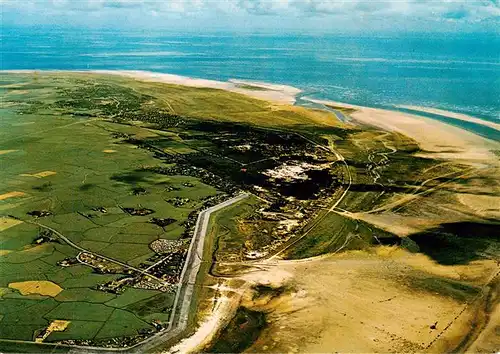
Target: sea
453, 72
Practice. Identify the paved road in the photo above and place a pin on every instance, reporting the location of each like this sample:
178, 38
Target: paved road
81, 249
180, 312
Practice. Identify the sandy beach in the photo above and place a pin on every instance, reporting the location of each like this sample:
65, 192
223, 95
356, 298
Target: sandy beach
454, 115
439, 140
262, 90
265, 91
400, 313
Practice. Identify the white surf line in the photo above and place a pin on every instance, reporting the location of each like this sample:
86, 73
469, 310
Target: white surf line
450, 114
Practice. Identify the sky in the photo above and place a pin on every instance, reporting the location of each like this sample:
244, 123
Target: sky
451, 16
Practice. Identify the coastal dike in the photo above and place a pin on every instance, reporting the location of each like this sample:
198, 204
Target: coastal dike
154, 212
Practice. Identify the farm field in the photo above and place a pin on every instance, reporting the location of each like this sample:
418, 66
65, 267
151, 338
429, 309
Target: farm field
103, 178
101, 173
77, 171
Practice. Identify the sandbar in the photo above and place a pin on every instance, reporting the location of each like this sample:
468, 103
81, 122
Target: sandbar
455, 115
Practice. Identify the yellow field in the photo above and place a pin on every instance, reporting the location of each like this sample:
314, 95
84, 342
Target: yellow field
11, 195
7, 223
3, 152
109, 151
55, 326
5, 252
39, 174
40, 287
39, 248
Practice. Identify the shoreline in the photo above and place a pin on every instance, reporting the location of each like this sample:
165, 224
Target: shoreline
450, 114
276, 93
438, 139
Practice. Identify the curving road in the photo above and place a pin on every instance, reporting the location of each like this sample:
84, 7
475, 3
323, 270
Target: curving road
81, 249
185, 289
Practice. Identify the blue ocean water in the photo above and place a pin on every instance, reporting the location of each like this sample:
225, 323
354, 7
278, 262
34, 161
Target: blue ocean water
459, 73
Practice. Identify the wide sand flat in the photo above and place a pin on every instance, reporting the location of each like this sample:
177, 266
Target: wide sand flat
357, 302
360, 302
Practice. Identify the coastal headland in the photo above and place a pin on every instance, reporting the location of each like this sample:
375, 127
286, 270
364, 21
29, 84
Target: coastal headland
124, 227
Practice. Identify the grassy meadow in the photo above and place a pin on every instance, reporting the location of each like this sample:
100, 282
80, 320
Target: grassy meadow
70, 165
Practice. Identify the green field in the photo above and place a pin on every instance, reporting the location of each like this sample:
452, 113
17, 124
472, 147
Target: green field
53, 159
93, 94
89, 150
332, 233
228, 238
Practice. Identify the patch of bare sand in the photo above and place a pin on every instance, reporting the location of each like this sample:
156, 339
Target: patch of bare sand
9, 195
42, 174
398, 224
488, 340
365, 302
433, 211
440, 140
474, 196
475, 272
40, 287
487, 206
